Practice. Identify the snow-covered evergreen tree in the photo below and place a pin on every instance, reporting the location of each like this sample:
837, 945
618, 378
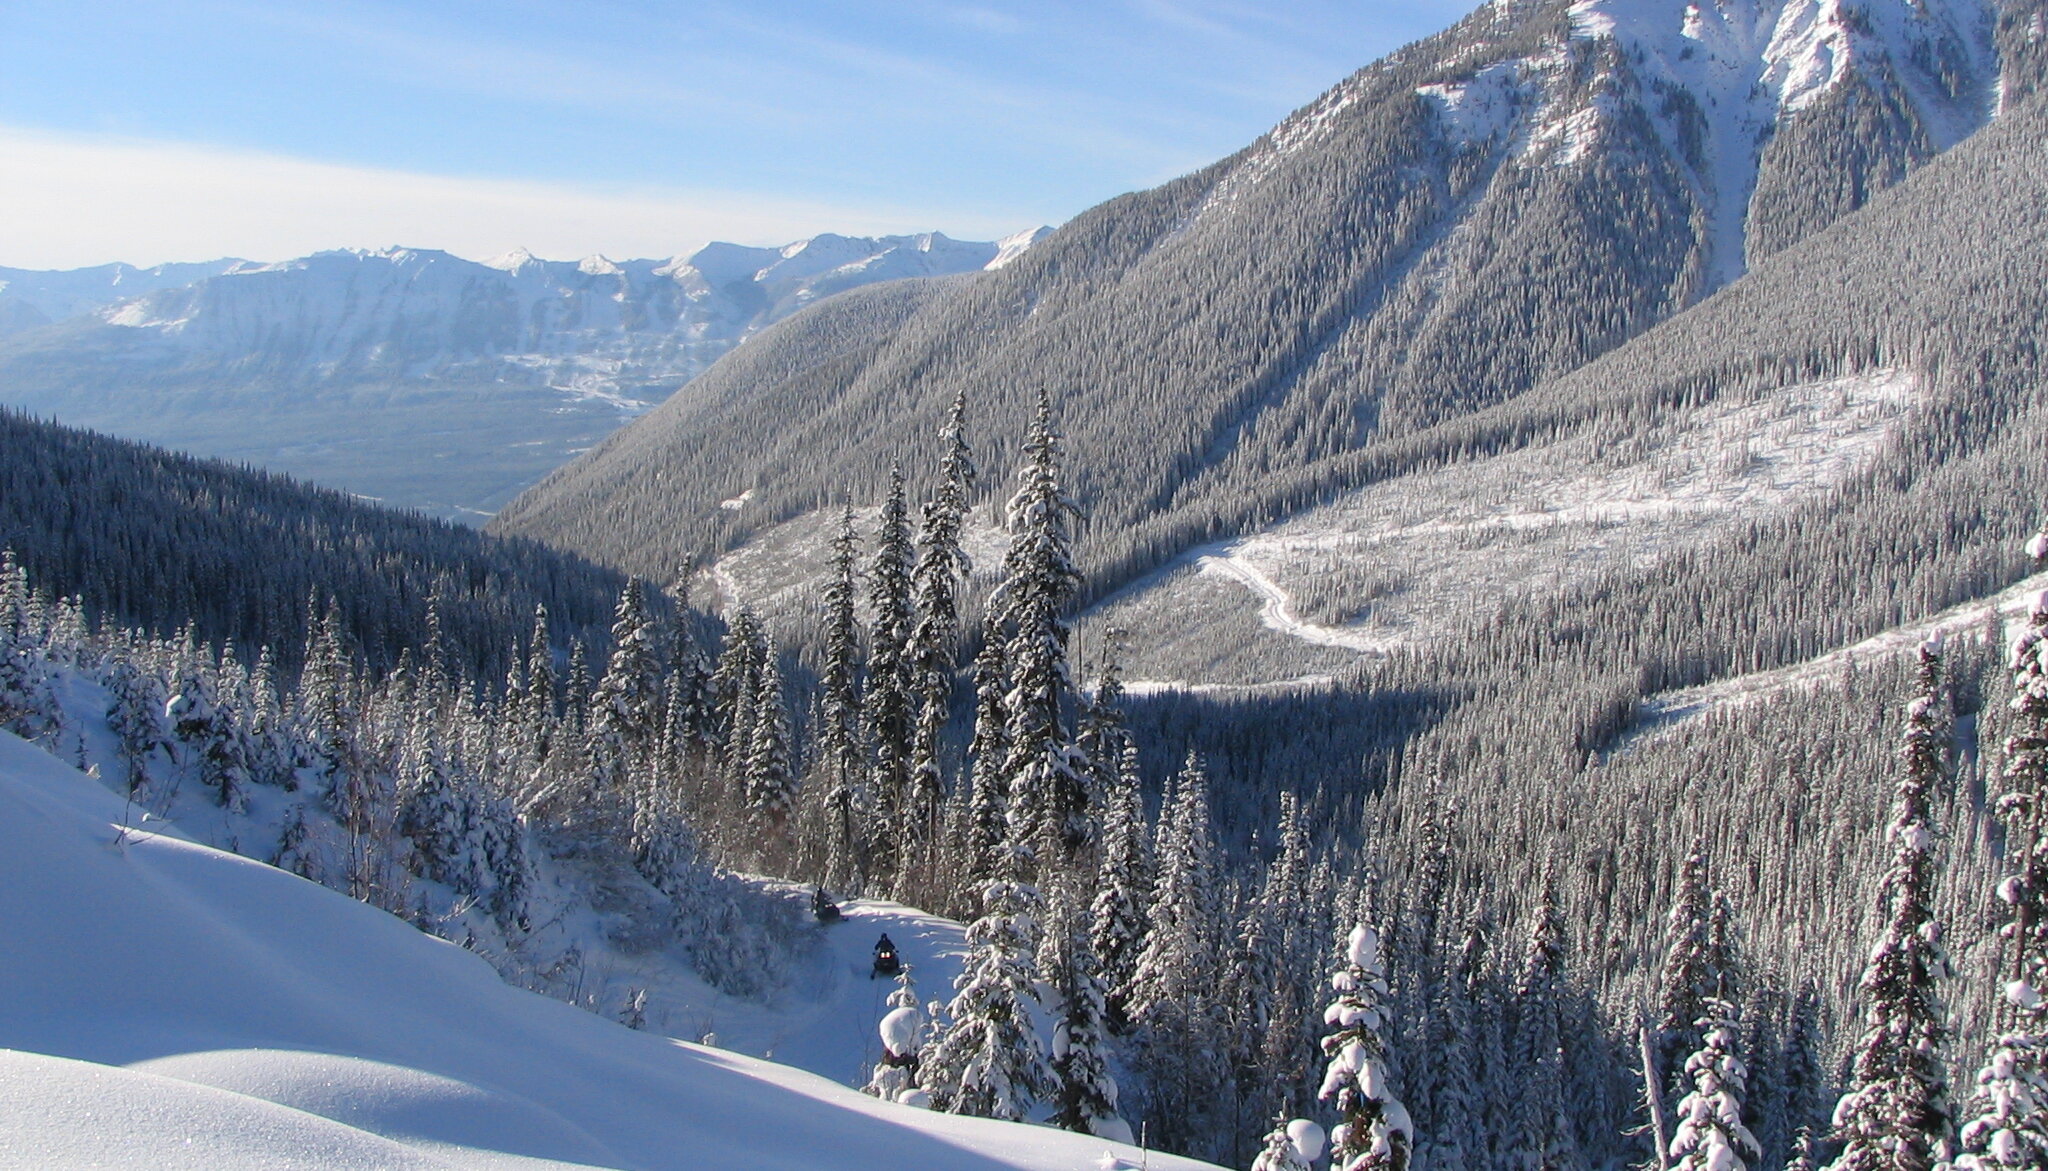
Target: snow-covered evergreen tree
2007, 1123
735, 688
431, 813
1376, 1132
1182, 948
1084, 1091
942, 566
1046, 790
1123, 890
991, 1061
1541, 1134
1182, 1037
1281, 1153
902, 1036
576, 695
1897, 1115
1805, 1152
135, 715
989, 793
1709, 1134
1691, 974
625, 712
1100, 734
209, 744
771, 782
889, 703
839, 740
538, 715
28, 705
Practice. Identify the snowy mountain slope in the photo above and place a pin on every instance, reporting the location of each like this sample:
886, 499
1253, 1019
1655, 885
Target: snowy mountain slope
1413, 560
230, 1015
411, 375
1998, 616
32, 297
1475, 215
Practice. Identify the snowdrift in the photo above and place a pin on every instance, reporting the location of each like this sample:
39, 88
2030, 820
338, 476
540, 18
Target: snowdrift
170, 1005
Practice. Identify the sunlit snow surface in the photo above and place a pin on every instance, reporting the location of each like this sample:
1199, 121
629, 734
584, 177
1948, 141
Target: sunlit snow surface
1413, 559
167, 1005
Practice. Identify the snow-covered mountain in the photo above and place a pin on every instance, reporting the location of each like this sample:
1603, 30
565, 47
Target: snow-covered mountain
349, 360
630, 327
1479, 214
231, 1015
32, 297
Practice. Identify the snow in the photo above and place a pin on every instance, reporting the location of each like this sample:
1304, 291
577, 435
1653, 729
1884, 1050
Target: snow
899, 1030
2011, 605
1012, 246
229, 1016
1414, 559
1307, 1138
1480, 109
1750, 64
1275, 605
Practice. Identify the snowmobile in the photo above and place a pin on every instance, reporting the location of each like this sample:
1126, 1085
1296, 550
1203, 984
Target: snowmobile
886, 962
825, 909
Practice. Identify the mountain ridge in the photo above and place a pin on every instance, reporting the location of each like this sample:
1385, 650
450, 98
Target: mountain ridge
1476, 214
411, 375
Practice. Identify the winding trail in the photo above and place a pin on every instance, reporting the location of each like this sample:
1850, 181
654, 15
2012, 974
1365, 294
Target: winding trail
1274, 608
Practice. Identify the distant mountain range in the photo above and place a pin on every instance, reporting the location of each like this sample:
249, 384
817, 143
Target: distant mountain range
411, 375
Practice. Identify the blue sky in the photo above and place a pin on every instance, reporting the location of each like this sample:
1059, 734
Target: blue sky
184, 129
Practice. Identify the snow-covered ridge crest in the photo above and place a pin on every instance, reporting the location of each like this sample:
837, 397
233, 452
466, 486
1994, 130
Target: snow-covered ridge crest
417, 312
1786, 52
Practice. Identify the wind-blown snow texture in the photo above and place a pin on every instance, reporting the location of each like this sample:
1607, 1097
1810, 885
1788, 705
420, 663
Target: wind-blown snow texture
165, 1004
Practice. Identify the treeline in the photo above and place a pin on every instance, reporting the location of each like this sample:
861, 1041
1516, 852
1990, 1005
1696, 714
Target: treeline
154, 540
1246, 340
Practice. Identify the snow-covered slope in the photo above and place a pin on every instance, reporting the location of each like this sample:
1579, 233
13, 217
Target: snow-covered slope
32, 297
168, 1005
1718, 81
411, 375
1474, 216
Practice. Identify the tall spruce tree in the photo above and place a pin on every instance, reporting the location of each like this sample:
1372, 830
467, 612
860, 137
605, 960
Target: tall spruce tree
1123, 890
991, 1062
2008, 1114
771, 782
1896, 1115
1454, 1134
888, 708
1710, 1134
988, 800
1376, 1133
1085, 1092
625, 716
942, 567
1541, 1135
1046, 791
839, 735
1182, 1035
1690, 974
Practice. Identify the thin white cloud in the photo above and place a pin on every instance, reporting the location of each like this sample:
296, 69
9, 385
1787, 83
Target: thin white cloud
70, 201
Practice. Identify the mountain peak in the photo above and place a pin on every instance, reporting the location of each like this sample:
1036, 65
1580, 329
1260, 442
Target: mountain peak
511, 261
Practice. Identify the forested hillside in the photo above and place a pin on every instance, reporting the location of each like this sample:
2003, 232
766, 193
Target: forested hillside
1501, 616
146, 538
1475, 215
